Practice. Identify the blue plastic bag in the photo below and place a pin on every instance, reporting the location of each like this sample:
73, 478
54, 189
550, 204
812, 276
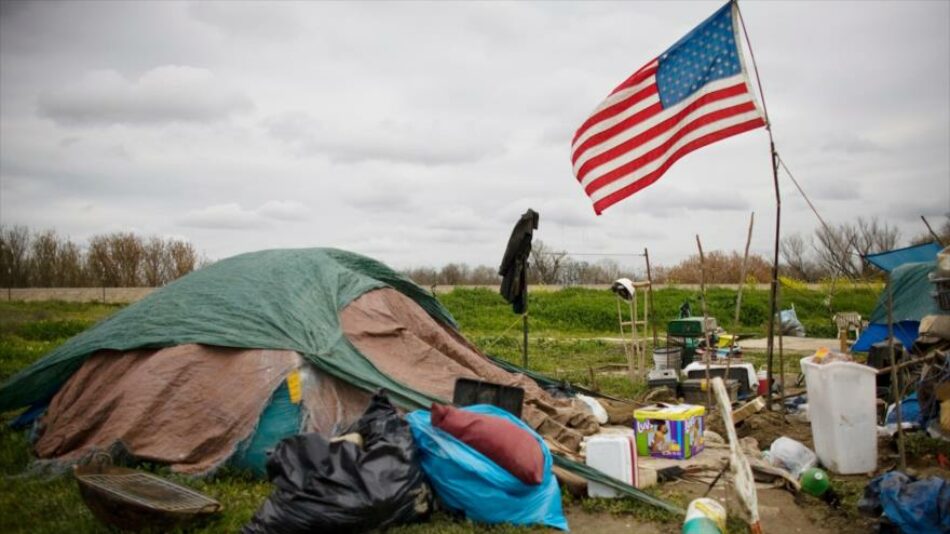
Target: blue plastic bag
916, 506
467, 481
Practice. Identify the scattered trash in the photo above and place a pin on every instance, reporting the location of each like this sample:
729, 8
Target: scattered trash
596, 408
815, 482
657, 378
915, 506
615, 456
748, 410
134, 500
824, 355
324, 486
670, 431
466, 481
792, 456
704, 516
790, 324
843, 412
695, 390
910, 415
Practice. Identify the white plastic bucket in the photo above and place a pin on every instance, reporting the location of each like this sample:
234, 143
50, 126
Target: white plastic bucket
843, 411
666, 358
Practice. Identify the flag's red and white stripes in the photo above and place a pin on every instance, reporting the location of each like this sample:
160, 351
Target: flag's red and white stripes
629, 141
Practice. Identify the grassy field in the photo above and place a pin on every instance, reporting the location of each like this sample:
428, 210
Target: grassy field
565, 326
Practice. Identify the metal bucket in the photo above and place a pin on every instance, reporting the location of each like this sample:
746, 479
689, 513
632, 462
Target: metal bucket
667, 358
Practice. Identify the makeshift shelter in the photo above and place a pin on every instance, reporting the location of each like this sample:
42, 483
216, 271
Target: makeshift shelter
892, 259
911, 290
224, 362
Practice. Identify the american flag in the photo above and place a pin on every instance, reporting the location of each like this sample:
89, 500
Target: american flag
694, 94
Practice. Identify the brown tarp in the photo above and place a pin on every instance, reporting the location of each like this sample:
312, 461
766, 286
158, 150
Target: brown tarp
403, 341
188, 406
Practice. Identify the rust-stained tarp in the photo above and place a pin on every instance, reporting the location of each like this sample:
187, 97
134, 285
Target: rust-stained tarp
404, 342
188, 406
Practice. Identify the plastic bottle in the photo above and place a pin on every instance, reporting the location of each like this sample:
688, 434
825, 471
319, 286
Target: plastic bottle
704, 516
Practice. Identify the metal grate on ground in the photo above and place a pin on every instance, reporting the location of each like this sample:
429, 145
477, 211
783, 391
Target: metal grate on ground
150, 491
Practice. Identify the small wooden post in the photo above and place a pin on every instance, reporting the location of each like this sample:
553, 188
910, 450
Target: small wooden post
735, 322
524, 349
895, 390
702, 288
651, 316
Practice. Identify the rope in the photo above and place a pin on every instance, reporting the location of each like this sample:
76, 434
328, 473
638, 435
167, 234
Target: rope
835, 274
503, 333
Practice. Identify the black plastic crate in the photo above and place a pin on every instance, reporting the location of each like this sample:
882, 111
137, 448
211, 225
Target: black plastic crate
468, 392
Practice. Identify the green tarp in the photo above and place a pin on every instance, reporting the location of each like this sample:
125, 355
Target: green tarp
912, 292
273, 299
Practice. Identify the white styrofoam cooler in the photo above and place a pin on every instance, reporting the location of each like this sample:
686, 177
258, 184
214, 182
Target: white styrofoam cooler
843, 411
615, 455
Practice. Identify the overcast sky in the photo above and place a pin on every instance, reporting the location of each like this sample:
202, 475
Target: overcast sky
417, 133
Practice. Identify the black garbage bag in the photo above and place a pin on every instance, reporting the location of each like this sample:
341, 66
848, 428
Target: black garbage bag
339, 486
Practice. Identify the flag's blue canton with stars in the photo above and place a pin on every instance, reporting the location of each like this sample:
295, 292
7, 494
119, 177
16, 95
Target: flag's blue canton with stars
706, 54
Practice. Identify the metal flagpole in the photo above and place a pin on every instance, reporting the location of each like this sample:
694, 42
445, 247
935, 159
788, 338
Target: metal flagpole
778, 208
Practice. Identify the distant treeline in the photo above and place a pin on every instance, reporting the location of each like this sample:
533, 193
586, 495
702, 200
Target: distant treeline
45, 259
552, 267
121, 259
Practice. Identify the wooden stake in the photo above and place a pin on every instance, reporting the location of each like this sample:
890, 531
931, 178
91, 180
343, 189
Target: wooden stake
702, 289
929, 229
778, 203
651, 316
735, 322
895, 390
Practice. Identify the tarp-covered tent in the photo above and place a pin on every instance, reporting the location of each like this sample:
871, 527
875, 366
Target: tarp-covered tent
182, 376
892, 259
911, 289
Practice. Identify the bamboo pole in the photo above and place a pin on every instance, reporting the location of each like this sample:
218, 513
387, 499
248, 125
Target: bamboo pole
894, 387
931, 230
778, 206
742, 274
651, 316
702, 289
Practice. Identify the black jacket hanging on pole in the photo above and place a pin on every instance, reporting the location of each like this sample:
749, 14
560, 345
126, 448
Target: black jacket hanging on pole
514, 266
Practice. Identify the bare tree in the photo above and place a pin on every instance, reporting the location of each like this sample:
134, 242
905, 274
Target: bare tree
155, 262
14, 256
99, 263
796, 255
44, 252
545, 264
454, 274
69, 265
841, 250
183, 258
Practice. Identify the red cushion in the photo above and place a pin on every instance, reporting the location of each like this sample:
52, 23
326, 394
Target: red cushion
504, 442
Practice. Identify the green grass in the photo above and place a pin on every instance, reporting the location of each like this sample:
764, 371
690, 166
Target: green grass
44, 502
586, 312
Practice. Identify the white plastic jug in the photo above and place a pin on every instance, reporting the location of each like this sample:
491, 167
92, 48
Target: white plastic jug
843, 410
614, 455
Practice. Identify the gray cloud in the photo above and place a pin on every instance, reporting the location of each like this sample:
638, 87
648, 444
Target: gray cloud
425, 141
171, 93
232, 216
419, 133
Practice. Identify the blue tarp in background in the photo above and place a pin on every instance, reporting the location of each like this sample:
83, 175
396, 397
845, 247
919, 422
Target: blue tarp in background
905, 332
888, 261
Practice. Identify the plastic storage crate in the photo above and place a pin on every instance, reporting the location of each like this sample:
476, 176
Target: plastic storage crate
468, 392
